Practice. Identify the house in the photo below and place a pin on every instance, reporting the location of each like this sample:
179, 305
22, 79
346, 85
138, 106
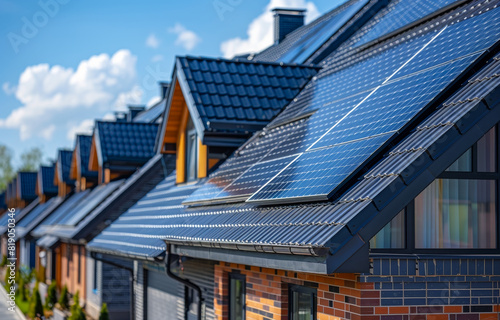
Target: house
372, 195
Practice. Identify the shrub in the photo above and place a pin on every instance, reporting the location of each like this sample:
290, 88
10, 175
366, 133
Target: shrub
4, 261
51, 296
21, 288
63, 299
36, 307
76, 309
104, 312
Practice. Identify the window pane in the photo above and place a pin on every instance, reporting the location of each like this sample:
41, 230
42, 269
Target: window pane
302, 306
486, 152
236, 299
392, 236
452, 213
463, 164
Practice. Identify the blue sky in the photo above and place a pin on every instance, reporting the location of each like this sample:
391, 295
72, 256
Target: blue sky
66, 62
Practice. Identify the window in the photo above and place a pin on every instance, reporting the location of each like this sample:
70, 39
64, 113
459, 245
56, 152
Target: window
94, 284
392, 236
236, 297
457, 211
302, 304
190, 301
191, 151
69, 258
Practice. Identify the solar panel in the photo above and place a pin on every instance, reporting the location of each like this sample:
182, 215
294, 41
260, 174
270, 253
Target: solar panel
384, 111
97, 195
307, 45
396, 15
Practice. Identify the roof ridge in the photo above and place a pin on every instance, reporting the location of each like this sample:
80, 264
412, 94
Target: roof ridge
237, 60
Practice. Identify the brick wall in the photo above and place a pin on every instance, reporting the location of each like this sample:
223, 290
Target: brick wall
396, 289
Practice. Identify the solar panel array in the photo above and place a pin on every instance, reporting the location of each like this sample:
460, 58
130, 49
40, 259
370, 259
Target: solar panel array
360, 104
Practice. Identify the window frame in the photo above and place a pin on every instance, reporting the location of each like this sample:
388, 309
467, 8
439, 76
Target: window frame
461, 175
302, 289
191, 132
242, 278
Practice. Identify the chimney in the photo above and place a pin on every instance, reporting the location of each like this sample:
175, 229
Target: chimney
133, 111
164, 89
285, 21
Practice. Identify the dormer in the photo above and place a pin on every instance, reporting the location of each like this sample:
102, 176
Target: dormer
215, 105
61, 172
26, 185
45, 187
84, 178
119, 148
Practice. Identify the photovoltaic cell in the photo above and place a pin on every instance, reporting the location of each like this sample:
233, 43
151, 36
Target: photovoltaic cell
396, 15
314, 172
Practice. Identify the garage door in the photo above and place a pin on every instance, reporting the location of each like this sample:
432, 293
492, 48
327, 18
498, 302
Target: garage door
162, 296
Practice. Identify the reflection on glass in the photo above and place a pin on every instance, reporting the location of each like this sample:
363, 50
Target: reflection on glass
486, 152
392, 236
453, 213
237, 299
302, 306
462, 164
191, 151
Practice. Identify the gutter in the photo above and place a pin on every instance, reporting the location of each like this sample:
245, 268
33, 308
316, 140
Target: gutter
132, 280
185, 282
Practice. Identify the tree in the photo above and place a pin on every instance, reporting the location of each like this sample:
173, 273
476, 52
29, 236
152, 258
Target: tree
6, 169
36, 307
104, 312
63, 299
31, 159
51, 296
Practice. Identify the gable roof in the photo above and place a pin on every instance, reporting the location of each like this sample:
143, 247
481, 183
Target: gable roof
125, 142
26, 185
236, 97
63, 166
82, 148
452, 96
323, 35
45, 180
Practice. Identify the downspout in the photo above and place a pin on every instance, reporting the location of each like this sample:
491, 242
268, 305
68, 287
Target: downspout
185, 282
132, 280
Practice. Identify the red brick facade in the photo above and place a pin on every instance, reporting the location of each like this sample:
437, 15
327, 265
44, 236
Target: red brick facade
339, 296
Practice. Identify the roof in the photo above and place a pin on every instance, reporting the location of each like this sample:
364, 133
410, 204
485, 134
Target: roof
3, 205
134, 233
47, 241
237, 96
11, 191
18, 214
64, 165
26, 185
152, 114
83, 145
46, 180
323, 35
369, 133
35, 217
125, 142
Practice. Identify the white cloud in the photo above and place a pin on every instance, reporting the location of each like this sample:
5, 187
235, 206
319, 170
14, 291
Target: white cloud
8, 88
153, 101
84, 127
152, 41
157, 58
55, 99
260, 30
185, 38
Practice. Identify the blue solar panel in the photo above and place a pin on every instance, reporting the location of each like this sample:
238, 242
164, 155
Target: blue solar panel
96, 196
385, 109
396, 15
314, 173
33, 214
306, 46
